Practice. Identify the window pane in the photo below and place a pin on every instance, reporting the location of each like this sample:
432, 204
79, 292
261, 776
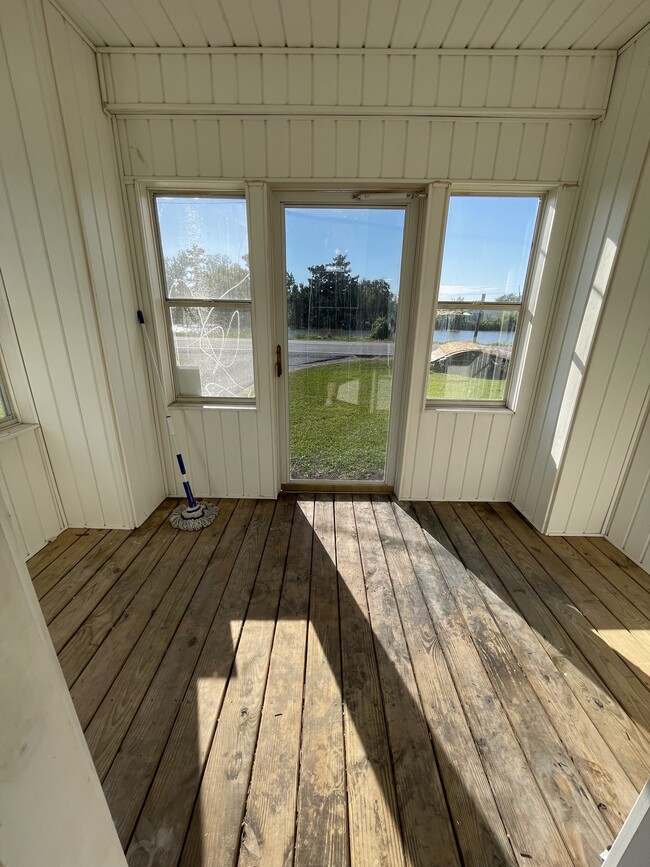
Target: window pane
470, 354
204, 244
213, 351
342, 282
5, 412
487, 247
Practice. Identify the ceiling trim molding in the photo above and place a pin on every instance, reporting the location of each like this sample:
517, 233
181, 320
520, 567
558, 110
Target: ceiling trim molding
170, 111
408, 52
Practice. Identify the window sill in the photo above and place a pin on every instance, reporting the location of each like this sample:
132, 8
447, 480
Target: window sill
473, 408
194, 405
11, 431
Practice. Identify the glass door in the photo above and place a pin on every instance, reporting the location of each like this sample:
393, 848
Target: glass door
343, 299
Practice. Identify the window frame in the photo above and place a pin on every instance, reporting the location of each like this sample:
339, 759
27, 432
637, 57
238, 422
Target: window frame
168, 304
520, 307
5, 396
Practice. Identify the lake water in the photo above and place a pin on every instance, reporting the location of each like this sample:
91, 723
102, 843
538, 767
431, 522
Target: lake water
484, 337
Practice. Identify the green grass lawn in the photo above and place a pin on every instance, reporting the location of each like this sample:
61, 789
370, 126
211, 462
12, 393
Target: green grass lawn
448, 387
334, 438
338, 417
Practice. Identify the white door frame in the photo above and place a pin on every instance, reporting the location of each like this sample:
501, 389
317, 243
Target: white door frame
346, 198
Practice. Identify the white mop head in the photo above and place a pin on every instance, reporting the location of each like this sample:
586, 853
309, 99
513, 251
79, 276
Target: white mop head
196, 518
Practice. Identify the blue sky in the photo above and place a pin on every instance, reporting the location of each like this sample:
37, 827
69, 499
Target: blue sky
487, 242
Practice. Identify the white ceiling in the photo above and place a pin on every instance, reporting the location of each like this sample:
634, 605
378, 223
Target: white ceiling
534, 24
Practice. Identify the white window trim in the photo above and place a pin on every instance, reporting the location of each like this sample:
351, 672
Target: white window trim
157, 301
517, 358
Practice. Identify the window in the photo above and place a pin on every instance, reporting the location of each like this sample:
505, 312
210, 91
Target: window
203, 243
7, 416
485, 266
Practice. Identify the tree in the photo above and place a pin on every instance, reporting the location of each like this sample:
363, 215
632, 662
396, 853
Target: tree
334, 299
193, 273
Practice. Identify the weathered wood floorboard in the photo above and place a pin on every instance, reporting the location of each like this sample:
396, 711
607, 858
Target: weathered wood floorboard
336, 680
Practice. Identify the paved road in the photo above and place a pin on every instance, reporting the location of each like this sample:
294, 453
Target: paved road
226, 366
306, 352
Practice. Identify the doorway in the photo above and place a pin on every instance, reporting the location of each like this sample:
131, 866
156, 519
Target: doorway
346, 269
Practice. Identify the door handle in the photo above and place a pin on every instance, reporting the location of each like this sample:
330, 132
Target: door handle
278, 360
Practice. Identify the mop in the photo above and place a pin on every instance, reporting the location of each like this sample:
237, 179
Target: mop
195, 515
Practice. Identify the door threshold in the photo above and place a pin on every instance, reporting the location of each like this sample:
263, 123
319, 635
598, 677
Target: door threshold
314, 487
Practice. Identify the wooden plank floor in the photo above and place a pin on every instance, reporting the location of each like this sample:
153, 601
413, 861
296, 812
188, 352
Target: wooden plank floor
337, 680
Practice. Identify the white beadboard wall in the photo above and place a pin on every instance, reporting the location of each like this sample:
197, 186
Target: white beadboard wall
388, 82
233, 450
48, 284
630, 524
615, 385
612, 178
326, 149
101, 206
27, 490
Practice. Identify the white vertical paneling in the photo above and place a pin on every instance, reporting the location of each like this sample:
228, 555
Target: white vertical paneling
612, 180
347, 148
400, 80
476, 74
501, 80
551, 82
484, 82
159, 135
174, 79
249, 78
148, 75
231, 432
350, 79
224, 78
97, 186
47, 283
441, 455
530, 153
394, 146
299, 74
427, 437
216, 456
371, 137
325, 81
487, 140
509, 150
255, 148
231, 145
615, 384
630, 524
425, 78
185, 146
460, 446
325, 149
526, 82
417, 149
367, 148
274, 79
199, 81
450, 80
463, 147
277, 143
27, 489
300, 148
477, 456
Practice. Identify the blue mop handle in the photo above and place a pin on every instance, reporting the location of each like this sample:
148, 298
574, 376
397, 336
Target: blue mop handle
191, 502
